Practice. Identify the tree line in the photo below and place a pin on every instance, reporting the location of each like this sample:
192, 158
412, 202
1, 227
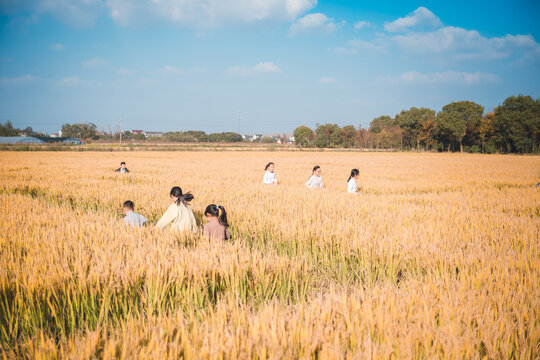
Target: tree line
513, 127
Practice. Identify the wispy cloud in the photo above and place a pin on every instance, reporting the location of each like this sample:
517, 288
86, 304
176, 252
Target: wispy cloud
18, 80
316, 23
327, 80
446, 77
171, 70
260, 68
361, 46
361, 24
95, 62
75, 81
57, 47
206, 13
419, 18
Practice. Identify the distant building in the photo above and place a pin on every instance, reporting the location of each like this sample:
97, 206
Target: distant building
154, 133
20, 140
141, 132
57, 135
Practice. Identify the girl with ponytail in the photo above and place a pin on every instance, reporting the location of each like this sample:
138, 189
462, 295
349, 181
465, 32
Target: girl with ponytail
217, 225
179, 214
352, 186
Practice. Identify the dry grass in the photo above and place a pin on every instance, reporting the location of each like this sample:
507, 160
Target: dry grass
438, 257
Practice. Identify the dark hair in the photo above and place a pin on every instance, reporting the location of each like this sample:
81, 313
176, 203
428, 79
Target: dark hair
182, 198
123, 163
214, 210
129, 204
354, 172
314, 169
267, 165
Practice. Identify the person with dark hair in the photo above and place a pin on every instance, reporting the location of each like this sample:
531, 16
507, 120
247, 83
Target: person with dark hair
122, 169
315, 180
132, 218
217, 225
352, 186
179, 214
270, 176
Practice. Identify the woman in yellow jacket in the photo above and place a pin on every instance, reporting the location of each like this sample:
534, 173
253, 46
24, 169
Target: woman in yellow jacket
179, 214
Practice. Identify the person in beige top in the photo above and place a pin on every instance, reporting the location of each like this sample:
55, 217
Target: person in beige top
216, 227
179, 214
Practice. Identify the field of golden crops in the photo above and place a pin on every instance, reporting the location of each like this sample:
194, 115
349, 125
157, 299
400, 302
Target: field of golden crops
437, 257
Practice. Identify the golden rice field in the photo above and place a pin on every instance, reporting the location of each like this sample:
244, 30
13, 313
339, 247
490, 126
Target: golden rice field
438, 257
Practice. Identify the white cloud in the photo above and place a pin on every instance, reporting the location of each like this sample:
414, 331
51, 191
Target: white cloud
260, 68
316, 23
360, 46
446, 77
171, 70
194, 13
57, 47
361, 24
419, 18
327, 80
19, 80
465, 44
95, 62
206, 13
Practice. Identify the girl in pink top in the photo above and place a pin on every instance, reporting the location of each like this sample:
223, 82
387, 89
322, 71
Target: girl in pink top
217, 225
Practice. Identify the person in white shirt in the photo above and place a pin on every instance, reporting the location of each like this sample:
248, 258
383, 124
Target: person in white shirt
270, 176
315, 180
178, 214
352, 186
132, 218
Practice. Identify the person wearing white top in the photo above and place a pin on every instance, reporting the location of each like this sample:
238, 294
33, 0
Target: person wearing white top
270, 176
315, 180
352, 186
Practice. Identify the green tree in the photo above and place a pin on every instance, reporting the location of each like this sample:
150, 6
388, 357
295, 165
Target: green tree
348, 136
457, 118
81, 131
379, 123
303, 136
518, 122
488, 133
412, 122
328, 135
384, 133
8, 130
427, 132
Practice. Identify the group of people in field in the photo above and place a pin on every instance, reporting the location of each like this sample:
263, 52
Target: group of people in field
179, 215
315, 180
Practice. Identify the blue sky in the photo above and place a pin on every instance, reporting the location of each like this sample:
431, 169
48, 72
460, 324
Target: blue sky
168, 65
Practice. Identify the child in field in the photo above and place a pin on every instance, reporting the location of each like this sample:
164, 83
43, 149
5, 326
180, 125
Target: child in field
132, 218
270, 176
217, 225
352, 186
315, 180
179, 214
122, 169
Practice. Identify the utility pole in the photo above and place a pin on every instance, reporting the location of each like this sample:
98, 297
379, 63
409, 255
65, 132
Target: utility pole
120, 130
239, 116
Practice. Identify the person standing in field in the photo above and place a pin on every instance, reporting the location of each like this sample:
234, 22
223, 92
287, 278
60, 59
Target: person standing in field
217, 225
315, 180
270, 176
179, 214
352, 186
132, 218
122, 169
